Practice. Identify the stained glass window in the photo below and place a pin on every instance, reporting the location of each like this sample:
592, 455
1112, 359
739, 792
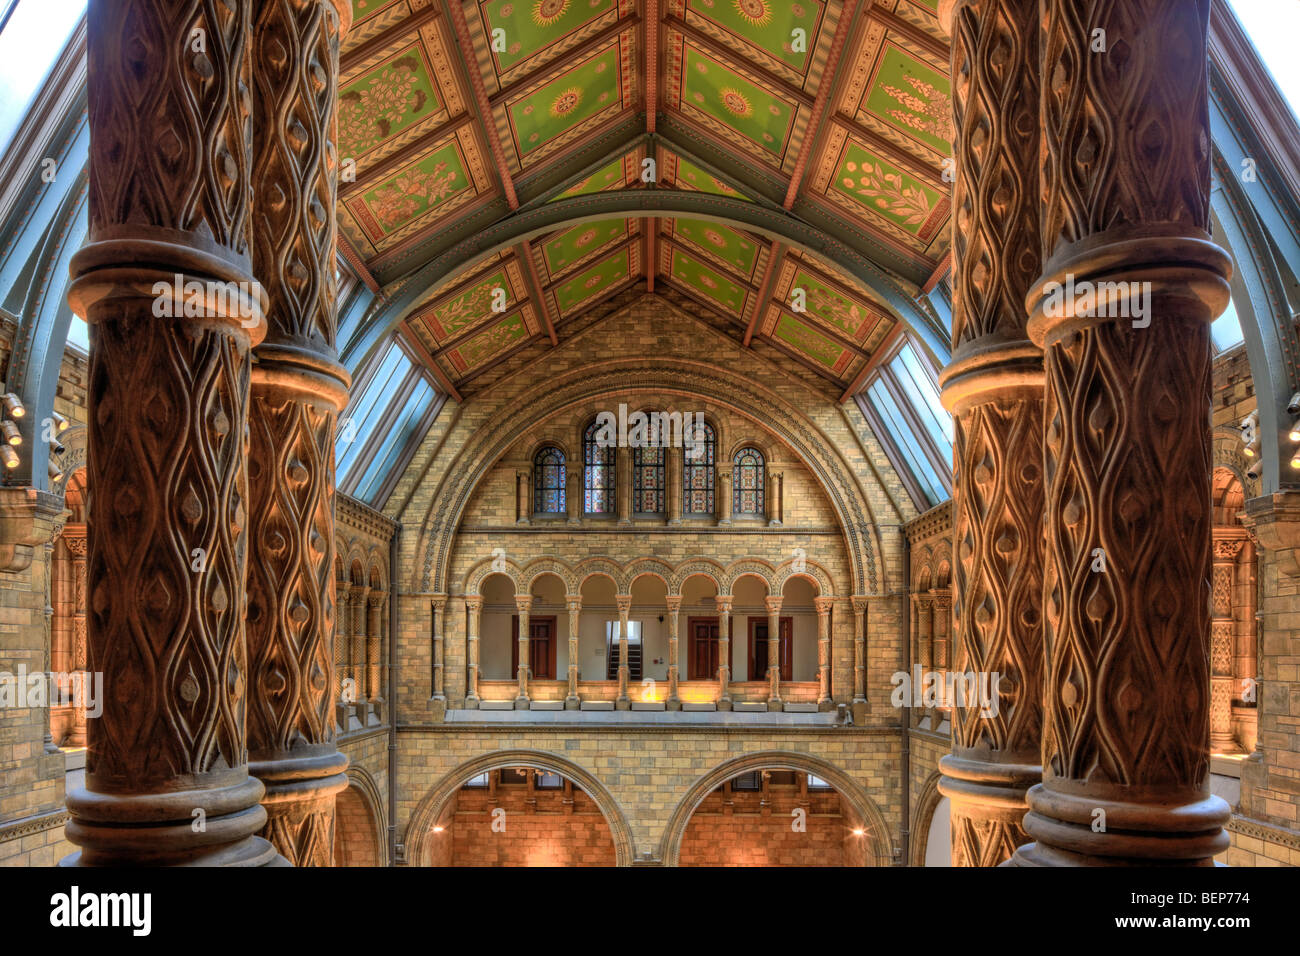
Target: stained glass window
697, 472
597, 474
748, 479
647, 480
548, 481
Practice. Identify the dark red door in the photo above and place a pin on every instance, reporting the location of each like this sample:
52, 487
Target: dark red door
541, 647
702, 656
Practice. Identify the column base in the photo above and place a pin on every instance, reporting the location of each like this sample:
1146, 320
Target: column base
573, 703
471, 703
673, 703
522, 703
825, 704
859, 710
724, 703
1173, 829
299, 803
774, 703
623, 703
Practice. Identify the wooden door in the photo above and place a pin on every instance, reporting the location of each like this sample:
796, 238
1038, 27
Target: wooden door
702, 648
758, 648
541, 647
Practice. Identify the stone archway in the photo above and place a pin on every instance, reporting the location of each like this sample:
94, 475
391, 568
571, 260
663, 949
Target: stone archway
436, 801
879, 841
927, 802
359, 823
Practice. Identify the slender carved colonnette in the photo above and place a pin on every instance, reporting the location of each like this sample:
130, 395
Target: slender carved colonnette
994, 387
298, 389
167, 779
1125, 176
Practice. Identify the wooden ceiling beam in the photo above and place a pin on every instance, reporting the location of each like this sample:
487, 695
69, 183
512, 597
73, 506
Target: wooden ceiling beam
941, 270
842, 30
889, 150
537, 290
418, 348
650, 253
769, 280
387, 38
651, 43
461, 28
875, 359
897, 24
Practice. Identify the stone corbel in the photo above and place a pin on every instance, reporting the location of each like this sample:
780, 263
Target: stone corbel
1274, 521
28, 518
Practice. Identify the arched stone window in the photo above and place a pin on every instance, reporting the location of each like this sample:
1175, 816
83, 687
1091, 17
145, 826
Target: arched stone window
698, 472
749, 483
548, 481
598, 474
647, 480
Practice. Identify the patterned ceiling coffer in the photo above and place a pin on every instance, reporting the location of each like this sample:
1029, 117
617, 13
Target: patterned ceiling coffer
488, 296
569, 248
416, 196
807, 341
498, 338
691, 274
535, 32
372, 17
719, 243
388, 99
827, 304
597, 281
683, 174
761, 31
731, 102
570, 102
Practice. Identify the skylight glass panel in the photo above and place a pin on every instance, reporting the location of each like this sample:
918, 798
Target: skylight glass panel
396, 442
905, 441
1226, 329
356, 426
36, 33
923, 393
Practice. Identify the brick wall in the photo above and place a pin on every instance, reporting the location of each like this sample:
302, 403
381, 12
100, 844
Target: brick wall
537, 828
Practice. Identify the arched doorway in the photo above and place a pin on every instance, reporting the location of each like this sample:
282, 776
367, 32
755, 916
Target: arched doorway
519, 808
777, 809
358, 832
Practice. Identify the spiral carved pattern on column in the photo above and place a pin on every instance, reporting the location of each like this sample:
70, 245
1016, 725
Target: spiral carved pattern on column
168, 465
172, 126
995, 195
291, 588
1128, 458
295, 75
1095, 176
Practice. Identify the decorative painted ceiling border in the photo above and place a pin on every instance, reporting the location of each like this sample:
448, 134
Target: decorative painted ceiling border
770, 411
772, 224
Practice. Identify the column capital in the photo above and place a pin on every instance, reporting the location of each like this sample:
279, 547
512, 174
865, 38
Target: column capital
473, 603
723, 602
358, 592
823, 604
673, 602
773, 604
1274, 520
439, 602
573, 602
860, 603
624, 603
524, 602
376, 598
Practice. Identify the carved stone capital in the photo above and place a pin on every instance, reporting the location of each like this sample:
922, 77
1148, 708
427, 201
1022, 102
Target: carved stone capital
624, 603
823, 605
674, 603
1274, 520
28, 519
523, 603
723, 602
773, 604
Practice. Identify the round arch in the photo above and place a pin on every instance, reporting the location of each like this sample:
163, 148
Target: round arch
926, 803
433, 804
693, 380
366, 790
881, 842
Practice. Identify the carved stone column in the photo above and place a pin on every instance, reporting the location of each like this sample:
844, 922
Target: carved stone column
357, 639
374, 642
524, 604
169, 203
775, 492
860, 649
573, 493
722, 494
673, 463
994, 388
523, 497
473, 611
573, 602
341, 620
624, 602
439, 648
823, 606
674, 604
77, 549
723, 602
773, 652
298, 389
1228, 542
1128, 451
